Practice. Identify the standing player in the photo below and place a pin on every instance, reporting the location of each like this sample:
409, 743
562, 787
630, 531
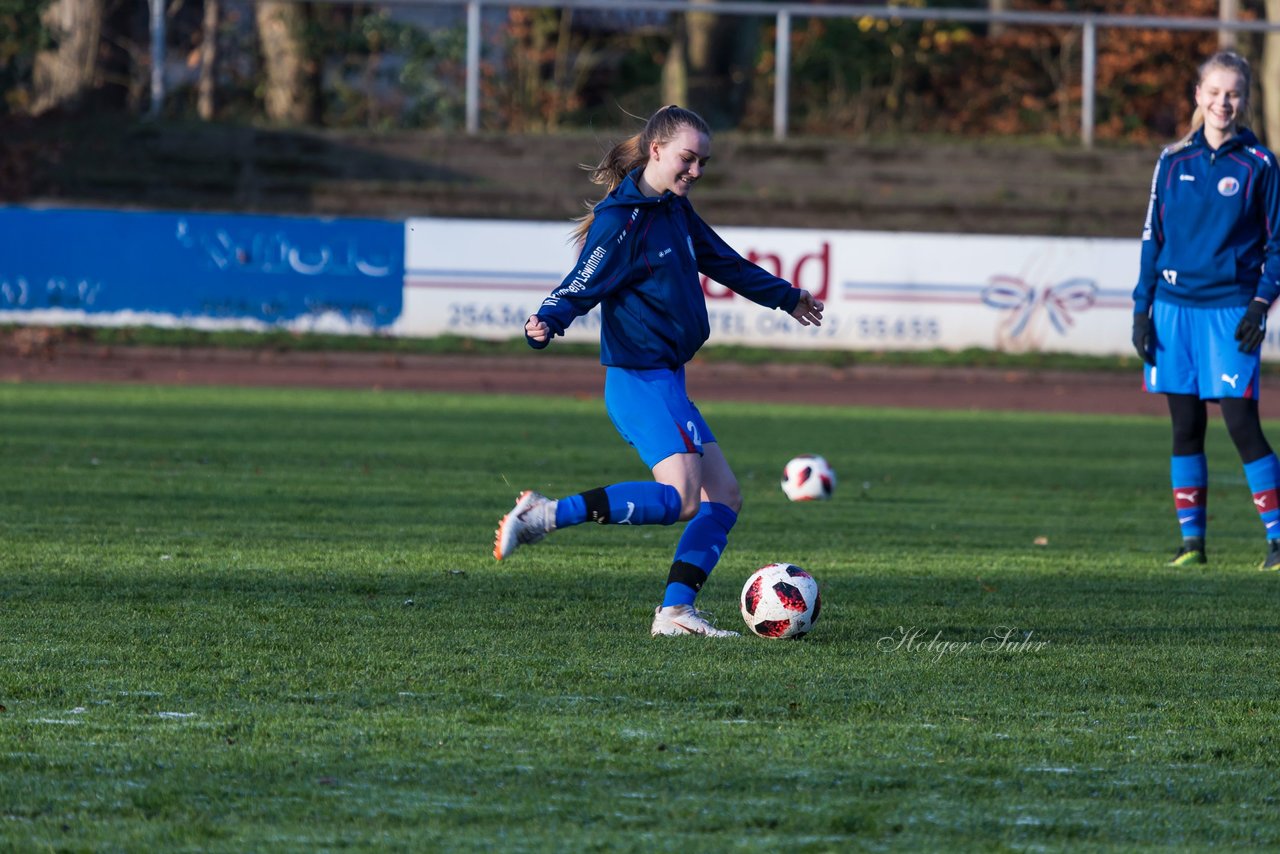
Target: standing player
1210, 271
643, 248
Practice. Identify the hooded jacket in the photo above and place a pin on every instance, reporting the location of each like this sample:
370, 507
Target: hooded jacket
1211, 233
640, 263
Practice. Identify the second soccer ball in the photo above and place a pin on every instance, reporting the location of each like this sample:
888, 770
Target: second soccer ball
808, 477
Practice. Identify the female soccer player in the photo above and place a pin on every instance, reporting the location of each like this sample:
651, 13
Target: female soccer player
643, 248
1210, 271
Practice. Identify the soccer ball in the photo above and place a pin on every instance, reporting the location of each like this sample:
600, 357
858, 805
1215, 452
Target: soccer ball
780, 600
808, 477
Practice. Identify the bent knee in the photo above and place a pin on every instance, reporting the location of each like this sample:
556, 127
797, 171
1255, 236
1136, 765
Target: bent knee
730, 496
688, 508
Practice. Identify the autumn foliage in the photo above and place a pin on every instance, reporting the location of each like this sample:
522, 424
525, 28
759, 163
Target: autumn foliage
874, 76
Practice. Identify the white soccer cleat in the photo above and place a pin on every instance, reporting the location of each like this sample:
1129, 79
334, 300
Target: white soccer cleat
533, 517
685, 620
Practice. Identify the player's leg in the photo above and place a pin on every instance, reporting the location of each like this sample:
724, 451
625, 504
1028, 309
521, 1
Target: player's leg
704, 538
646, 409
1179, 332
1189, 475
717, 500
627, 503
1235, 380
650, 410
1261, 468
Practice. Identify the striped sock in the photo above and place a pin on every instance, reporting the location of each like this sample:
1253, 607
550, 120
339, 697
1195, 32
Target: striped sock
1263, 476
1190, 478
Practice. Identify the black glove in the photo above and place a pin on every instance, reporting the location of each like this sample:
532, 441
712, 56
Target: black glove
1144, 338
1252, 328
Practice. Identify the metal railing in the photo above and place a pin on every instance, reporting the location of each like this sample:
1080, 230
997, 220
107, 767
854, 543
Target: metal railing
783, 15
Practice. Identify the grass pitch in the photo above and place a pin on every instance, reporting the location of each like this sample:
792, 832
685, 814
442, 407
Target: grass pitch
270, 620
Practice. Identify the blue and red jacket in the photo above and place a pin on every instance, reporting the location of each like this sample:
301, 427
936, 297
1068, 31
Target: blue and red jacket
640, 263
1211, 237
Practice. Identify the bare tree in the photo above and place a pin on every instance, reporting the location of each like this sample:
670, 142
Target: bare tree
1228, 11
60, 76
290, 92
709, 63
675, 69
996, 6
701, 56
207, 82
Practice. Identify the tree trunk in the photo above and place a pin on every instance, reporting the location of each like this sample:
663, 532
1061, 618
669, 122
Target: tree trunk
562, 93
207, 82
701, 39
60, 76
1228, 10
289, 94
675, 69
719, 70
995, 31
1271, 77
700, 53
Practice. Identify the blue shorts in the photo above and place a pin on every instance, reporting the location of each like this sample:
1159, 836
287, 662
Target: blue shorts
1197, 353
653, 412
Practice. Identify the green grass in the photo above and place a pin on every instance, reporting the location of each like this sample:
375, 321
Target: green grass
286, 341
269, 620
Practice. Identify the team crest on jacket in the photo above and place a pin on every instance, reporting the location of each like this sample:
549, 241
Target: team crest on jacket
1228, 186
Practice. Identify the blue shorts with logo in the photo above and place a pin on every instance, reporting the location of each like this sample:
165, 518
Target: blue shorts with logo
651, 410
1197, 353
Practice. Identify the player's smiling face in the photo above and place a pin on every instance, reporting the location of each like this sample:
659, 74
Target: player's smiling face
1221, 97
677, 164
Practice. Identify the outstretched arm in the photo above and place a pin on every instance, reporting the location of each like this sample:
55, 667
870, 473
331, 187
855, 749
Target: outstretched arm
721, 262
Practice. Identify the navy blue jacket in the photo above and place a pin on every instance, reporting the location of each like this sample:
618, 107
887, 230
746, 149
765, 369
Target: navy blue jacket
1211, 232
640, 263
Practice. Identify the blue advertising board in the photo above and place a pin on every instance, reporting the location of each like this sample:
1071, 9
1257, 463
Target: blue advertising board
266, 269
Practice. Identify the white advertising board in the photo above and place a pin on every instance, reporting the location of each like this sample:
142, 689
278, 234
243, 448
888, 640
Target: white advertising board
883, 290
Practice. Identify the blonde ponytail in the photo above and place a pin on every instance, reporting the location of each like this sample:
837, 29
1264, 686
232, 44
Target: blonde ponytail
633, 153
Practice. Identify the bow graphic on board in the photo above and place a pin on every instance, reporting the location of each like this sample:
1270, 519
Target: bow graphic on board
1022, 300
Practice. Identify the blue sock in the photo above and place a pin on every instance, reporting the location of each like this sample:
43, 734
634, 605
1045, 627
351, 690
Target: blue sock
1263, 476
637, 502
698, 551
1190, 478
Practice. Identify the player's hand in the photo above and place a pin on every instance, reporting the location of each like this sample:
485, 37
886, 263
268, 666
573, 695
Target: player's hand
1252, 328
1143, 338
808, 310
537, 332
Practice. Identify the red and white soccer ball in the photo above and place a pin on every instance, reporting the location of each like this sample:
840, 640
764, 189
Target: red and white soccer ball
808, 477
780, 600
